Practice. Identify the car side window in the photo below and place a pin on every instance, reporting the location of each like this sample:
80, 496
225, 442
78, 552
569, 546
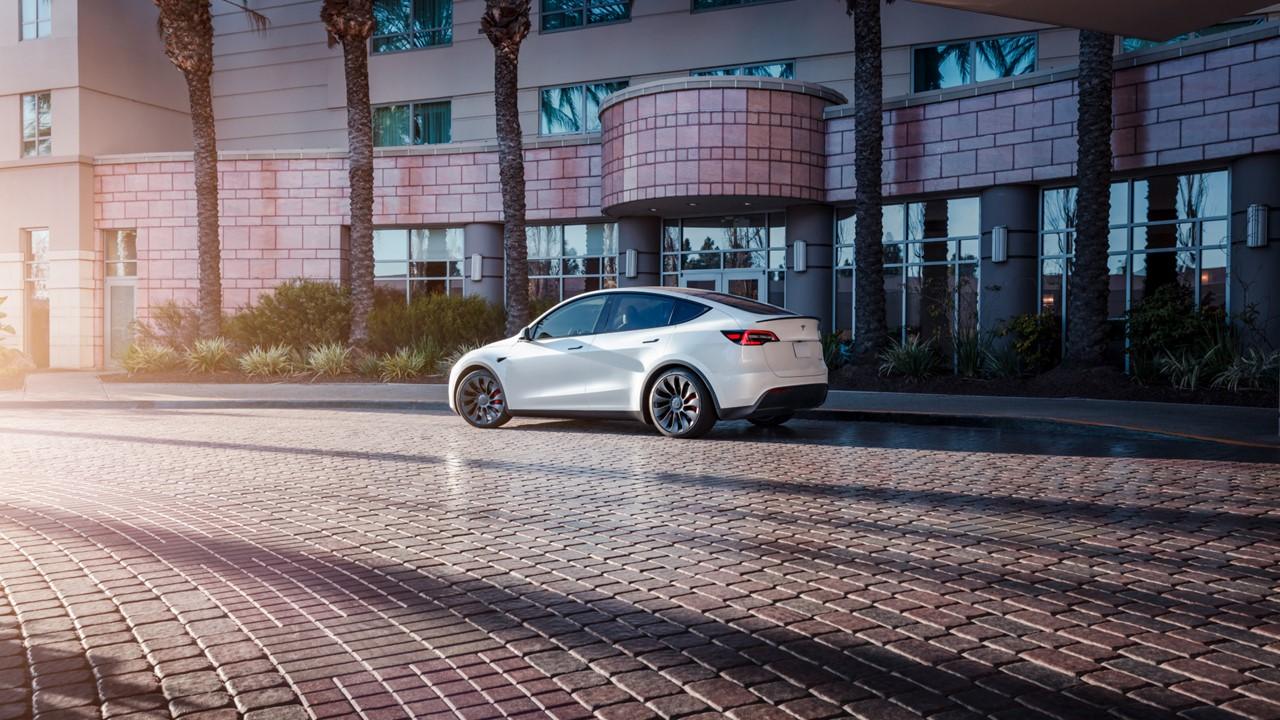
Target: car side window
638, 311
576, 318
686, 311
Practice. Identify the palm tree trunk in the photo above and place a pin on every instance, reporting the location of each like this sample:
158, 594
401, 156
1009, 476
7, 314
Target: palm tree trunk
1087, 295
360, 161
511, 177
208, 247
869, 322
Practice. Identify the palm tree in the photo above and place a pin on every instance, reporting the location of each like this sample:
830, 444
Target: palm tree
506, 24
350, 22
1087, 309
869, 332
186, 26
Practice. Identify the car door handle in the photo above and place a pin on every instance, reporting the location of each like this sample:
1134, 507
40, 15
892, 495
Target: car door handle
649, 342
576, 347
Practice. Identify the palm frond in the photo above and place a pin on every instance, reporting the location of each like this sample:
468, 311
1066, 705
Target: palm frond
257, 20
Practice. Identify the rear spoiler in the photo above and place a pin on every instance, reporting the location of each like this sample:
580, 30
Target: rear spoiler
792, 317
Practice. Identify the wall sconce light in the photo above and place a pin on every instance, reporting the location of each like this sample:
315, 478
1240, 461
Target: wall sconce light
999, 244
631, 264
1256, 229
476, 269
799, 256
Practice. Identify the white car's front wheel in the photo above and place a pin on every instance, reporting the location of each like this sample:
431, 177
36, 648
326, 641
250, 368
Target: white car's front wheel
481, 401
680, 405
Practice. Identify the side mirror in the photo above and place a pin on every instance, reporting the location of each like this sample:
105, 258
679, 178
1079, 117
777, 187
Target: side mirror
527, 333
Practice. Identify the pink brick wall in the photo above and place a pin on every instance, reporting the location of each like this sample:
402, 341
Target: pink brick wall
1198, 107
283, 218
717, 141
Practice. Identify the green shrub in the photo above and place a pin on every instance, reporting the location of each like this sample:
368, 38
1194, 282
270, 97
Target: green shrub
972, 348
208, 356
1251, 370
368, 365
299, 313
1166, 328
149, 357
836, 351
263, 362
172, 325
1000, 360
915, 359
1037, 340
405, 364
1186, 368
329, 360
443, 320
5, 328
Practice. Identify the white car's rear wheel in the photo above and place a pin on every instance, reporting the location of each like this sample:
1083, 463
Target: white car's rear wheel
481, 401
681, 405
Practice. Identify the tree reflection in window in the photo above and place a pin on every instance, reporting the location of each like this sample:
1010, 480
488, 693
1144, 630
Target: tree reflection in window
411, 24
937, 67
574, 109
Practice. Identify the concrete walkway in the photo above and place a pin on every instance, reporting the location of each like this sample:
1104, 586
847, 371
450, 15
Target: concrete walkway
1217, 423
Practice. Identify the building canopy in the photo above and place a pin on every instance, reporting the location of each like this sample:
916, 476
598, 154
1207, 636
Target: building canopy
1148, 19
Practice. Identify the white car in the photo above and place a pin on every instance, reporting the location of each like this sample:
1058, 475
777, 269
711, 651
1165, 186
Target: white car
676, 358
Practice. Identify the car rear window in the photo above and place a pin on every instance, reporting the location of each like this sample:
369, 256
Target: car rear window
745, 305
686, 311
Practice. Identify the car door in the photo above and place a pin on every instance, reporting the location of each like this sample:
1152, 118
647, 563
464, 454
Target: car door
547, 370
628, 341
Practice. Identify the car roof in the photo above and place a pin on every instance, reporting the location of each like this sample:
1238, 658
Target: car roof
706, 296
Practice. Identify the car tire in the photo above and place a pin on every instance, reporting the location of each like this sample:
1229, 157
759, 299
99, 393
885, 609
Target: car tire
770, 420
481, 401
680, 404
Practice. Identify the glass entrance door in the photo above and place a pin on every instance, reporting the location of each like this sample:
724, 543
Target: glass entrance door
751, 284
121, 312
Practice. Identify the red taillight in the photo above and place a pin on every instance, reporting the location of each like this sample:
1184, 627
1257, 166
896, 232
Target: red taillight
750, 338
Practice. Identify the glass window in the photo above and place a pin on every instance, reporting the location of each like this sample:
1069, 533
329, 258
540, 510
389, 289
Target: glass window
785, 70
416, 261
122, 253
411, 24
712, 4
937, 67
931, 261
1165, 229
37, 19
738, 302
576, 108
565, 14
567, 260
1130, 44
37, 259
685, 311
577, 318
426, 123
37, 124
637, 311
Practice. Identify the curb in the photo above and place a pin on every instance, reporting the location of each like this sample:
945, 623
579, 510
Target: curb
996, 422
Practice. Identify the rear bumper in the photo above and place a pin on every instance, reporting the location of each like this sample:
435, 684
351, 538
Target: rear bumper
780, 400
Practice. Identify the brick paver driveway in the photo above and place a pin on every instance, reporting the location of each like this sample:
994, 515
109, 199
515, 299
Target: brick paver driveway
286, 564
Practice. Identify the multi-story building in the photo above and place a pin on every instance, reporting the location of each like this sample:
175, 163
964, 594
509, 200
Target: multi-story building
704, 143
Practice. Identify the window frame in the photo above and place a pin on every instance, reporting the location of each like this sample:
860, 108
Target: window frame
582, 108
973, 42
408, 279
22, 126
119, 267
706, 72
447, 43
411, 105
693, 5
606, 274
586, 5
23, 23
35, 265
563, 306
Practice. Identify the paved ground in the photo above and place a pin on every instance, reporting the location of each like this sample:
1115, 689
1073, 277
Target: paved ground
289, 563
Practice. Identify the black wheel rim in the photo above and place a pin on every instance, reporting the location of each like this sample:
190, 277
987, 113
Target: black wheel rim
676, 404
482, 400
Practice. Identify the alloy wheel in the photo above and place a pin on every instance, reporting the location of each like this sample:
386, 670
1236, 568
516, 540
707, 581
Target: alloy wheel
676, 404
481, 399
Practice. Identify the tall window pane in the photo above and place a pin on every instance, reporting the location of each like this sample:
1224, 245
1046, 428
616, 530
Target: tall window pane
565, 260
416, 261
942, 66
121, 248
412, 124
37, 124
411, 24
37, 19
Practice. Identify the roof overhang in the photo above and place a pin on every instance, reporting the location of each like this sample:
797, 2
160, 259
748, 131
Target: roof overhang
1149, 19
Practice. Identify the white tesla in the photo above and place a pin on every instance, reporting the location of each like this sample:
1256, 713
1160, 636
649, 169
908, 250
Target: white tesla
676, 358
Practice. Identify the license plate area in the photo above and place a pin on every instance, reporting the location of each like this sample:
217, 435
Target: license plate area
803, 350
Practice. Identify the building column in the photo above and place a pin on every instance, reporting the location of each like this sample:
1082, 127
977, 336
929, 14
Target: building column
485, 240
1255, 272
808, 292
1009, 288
644, 235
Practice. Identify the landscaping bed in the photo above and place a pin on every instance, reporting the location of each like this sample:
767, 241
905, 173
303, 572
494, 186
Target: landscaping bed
231, 378
1099, 384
